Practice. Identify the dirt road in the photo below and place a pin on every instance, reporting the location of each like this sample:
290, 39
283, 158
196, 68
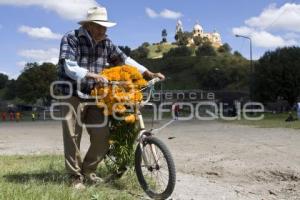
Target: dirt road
214, 160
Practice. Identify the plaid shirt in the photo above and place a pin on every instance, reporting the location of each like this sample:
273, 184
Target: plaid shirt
78, 46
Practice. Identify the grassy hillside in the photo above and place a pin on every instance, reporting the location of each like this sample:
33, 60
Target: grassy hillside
157, 51
210, 72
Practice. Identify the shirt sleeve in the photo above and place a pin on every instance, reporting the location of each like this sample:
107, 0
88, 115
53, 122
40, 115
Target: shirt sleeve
131, 62
73, 70
67, 58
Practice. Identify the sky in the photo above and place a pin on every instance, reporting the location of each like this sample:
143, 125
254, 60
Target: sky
31, 30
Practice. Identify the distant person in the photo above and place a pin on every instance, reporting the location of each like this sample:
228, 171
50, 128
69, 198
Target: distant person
298, 110
290, 118
33, 116
38, 116
176, 111
3, 116
11, 116
18, 116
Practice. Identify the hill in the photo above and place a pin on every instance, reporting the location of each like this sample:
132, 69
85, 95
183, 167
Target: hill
157, 50
224, 71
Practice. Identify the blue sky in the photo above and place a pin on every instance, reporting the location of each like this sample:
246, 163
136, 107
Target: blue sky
31, 30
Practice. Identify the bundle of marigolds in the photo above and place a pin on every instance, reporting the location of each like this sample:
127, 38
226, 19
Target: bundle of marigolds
119, 98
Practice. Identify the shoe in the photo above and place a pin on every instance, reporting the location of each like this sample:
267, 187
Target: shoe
78, 184
93, 179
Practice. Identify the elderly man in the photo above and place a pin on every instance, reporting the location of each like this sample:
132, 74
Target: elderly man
83, 54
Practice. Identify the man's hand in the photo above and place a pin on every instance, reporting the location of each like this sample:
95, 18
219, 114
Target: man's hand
152, 75
98, 78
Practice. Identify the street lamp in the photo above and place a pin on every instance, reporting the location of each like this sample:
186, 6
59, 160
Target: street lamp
251, 62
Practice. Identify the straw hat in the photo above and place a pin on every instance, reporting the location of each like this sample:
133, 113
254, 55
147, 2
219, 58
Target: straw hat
98, 15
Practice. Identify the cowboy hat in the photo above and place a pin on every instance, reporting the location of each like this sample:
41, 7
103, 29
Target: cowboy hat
98, 15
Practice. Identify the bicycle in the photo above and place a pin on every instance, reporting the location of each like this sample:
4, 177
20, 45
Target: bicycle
152, 158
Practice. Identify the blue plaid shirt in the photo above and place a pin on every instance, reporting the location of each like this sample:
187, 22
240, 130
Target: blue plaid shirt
78, 46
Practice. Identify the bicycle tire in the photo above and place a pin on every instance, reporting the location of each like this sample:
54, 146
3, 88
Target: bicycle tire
171, 169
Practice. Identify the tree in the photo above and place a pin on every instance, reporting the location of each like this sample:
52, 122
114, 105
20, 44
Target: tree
34, 82
225, 48
179, 51
140, 52
145, 44
10, 90
3, 80
182, 38
237, 54
198, 41
164, 35
125, 49
277, 75
206, 50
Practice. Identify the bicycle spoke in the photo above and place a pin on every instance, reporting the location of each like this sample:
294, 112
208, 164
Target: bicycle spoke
155, 168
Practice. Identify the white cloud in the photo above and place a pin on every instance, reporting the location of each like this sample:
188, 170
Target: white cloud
263, 38
42, 32
39, 55
21, 64
284, 20
151, 13
68, 9
166, 13
3, 72
170, 14
286, 17
11, 76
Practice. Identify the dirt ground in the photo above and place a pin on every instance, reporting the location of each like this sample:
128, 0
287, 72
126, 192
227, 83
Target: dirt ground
214, 160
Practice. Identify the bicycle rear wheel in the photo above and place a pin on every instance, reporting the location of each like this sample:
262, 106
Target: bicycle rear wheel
155, 168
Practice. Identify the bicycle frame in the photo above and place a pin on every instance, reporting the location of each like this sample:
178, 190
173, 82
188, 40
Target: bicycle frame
143, 133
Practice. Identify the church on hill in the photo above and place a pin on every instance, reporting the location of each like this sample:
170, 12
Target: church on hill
214, 38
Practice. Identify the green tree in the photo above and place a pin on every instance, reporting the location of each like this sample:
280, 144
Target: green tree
206, 50
125, 49
34, 82
277, 75
182, 38
3, 80
179, 51
140, 53
225, 48
145, 44
10, 90
198, 41
238, 54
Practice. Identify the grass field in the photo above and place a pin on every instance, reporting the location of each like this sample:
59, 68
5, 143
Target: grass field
154, 51
43, 177
271, 121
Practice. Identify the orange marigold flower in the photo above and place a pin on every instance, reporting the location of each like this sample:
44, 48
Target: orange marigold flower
127, 93
130, 119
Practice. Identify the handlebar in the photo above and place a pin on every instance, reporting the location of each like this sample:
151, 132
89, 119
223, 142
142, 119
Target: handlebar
153, 81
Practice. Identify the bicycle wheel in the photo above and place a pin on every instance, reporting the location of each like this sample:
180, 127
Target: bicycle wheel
155, 168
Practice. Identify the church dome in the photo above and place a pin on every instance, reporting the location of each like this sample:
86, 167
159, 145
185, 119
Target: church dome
216, 34
198, 27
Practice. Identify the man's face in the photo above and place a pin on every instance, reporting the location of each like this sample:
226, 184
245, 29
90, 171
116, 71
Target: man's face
97, 31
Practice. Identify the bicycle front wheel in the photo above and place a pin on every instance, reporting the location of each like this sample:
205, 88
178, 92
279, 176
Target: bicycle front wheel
155, 168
